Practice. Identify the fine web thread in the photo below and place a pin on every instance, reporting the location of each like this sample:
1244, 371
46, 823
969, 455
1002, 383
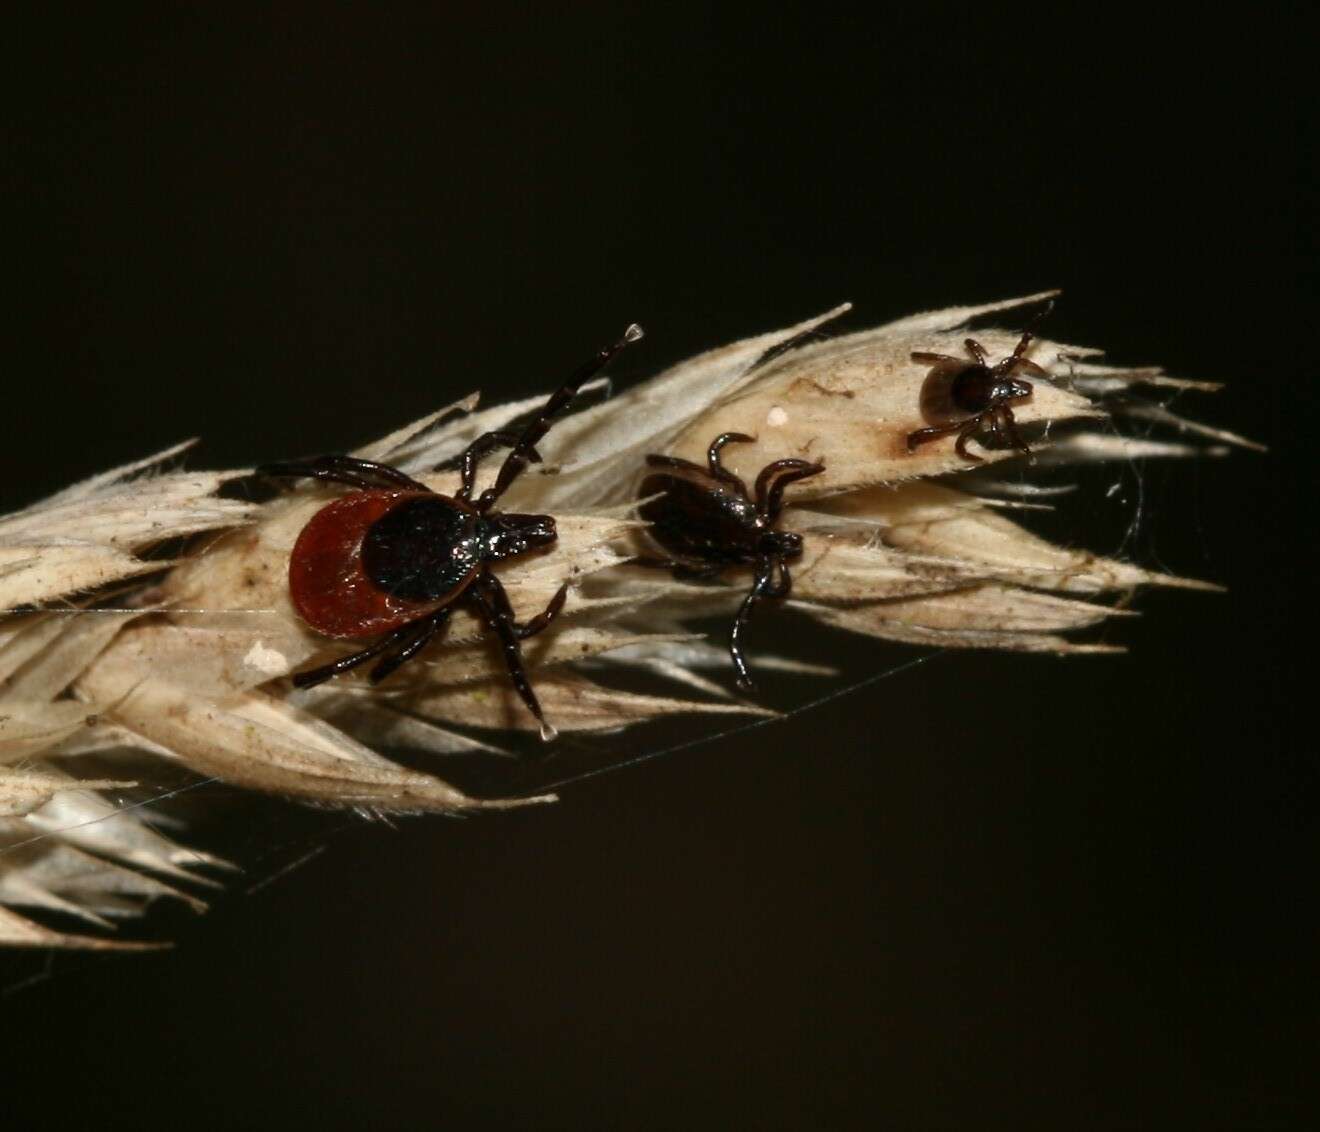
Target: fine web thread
124, 809
741, 729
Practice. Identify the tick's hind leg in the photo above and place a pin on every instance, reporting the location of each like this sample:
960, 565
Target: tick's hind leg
425, 634
970, 429
314, 676
349, 470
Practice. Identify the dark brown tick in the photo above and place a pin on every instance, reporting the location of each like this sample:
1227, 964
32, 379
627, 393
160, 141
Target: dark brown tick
392, 557
966, 396
707, 521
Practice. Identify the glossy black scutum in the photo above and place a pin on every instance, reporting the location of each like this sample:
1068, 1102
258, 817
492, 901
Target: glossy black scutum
423, 548
428, 546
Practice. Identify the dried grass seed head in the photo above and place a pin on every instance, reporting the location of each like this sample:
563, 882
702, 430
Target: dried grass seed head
893, 548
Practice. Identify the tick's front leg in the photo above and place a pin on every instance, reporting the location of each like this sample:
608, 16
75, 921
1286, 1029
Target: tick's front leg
548, 614
467, 460
489, 596
970, 430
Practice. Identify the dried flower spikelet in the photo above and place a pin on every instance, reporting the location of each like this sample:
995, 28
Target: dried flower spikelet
191, 667
887, 552
90, 534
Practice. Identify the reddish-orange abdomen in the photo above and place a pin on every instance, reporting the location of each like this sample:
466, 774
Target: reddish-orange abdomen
327, 581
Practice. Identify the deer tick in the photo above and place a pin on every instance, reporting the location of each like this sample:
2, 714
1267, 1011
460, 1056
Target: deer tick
706, 519
965, 396
392, 558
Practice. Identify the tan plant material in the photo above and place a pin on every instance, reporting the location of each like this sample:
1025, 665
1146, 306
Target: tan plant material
110, 649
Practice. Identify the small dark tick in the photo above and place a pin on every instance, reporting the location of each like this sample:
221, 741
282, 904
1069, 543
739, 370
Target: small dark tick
965, 396
706, 519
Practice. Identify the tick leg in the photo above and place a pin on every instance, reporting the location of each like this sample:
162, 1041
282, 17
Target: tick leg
486, 442
500, 602
346, 470
925, 435
762, 587
682, 571
1028, 365
674, 462
784, 586
1028, 335
521, 454
470, 457
314, 676
774, 478
742, 673
976, 350
1006, 426
935, 359
784, 347
490, 598
967, 433
433, 624
387, 476
543, 619
718, 470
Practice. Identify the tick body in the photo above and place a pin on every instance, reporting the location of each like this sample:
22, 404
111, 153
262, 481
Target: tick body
373, 561
965, 396
392, 558
707, 521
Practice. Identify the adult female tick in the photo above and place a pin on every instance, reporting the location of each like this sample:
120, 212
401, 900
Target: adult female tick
963, 397
393, 558
706, 519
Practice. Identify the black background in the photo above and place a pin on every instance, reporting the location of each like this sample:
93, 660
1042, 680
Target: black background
991, 890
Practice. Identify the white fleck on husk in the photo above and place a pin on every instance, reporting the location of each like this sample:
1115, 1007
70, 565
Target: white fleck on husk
110, 650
